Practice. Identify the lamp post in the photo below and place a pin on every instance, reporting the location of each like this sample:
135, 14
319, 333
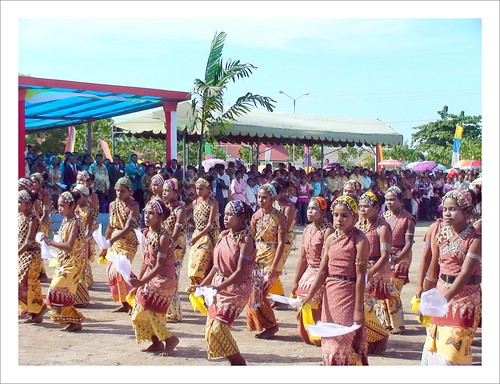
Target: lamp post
294, 98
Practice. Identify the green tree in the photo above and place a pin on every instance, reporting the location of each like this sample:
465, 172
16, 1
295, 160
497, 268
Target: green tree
402, 153
211, 118
436, 138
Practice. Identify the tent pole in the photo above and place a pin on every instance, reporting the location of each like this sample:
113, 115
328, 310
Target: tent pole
184, 153
322, 154
89, 136
113, 140
21, 121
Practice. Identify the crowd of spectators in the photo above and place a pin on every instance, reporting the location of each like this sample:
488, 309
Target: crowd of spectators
422, 190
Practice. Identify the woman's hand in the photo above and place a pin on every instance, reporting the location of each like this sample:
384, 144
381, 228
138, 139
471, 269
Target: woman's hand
191, 288
135, 282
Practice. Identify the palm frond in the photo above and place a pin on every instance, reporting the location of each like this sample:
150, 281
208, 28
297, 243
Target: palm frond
214, 61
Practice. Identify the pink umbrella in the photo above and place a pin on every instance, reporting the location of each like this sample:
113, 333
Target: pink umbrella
423, 166
391, 163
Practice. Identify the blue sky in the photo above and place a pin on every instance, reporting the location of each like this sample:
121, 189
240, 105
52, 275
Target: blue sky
399, 70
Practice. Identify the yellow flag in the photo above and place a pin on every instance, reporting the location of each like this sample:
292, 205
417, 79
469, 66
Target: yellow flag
459, 130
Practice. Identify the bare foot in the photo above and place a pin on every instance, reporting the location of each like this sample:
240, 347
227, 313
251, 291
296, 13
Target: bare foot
268, 333
73, 327
38, 318
397, 331
123, 308
170, 345
155, 346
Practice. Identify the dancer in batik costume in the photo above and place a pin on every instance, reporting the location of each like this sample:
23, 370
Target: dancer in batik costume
313, 237
156, 284
30, 299
231, 277
379, 284
175, 224
342, 272
268, 227
287, 208
69, 271
124, 217
206, 219
403, 228
455, 271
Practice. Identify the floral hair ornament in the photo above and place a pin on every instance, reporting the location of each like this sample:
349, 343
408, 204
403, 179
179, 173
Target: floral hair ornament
125, 181
321, 202
236, 207
370, 197
38, 177
202, 181
67, 197
24, 196
463, 197
395, 190
157, 179
271, 189
25, 183
82, 189
171, 184
84, 175
155, 206
348, 201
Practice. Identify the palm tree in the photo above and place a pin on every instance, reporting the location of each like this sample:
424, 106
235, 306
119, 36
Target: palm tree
211, 119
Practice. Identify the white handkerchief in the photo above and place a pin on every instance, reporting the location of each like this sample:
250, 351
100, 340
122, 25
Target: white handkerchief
47, 253
139, 235
208, 294
285, 300
321, 329
121, 264
433, 303
100, 240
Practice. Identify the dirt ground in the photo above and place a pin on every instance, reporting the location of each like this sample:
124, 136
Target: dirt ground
107, 338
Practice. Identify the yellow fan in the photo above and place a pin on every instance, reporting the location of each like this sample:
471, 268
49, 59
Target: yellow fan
307, 319
130, 298
198, 303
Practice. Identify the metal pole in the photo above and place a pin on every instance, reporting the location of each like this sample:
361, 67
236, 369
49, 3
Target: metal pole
322, 154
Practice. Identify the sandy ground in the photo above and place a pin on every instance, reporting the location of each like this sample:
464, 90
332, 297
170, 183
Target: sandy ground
107, 338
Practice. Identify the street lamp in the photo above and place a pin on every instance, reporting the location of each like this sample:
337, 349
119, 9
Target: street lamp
294, 98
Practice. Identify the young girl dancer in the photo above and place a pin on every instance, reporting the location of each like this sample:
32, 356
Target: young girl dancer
342, 272
206, 219
231, 275
379, 284
176, 228
314, 237
123, 219
156, 284
269, 229
403, 228
62, 290
30, 300
455, 271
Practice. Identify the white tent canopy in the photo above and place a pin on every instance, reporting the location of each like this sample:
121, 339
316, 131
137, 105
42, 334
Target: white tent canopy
274, 128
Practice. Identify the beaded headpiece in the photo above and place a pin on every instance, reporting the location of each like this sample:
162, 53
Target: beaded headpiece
236, 207
155, 206
354, 183
67, 197
157, 179
463, 197
348, 201
25, 183
25, 196
125, 181
323, 205
38, 177
370, 197
82, 189
271, 189
171, 184
84, 175
202, 181
395, 190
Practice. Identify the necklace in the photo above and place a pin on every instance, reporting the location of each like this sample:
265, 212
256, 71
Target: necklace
238, 236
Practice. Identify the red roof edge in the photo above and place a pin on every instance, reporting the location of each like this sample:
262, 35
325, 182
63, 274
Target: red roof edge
41, 82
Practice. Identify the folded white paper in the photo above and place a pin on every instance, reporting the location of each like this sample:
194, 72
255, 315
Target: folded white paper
433, 303
47, 253
139, 235
100, 240
121, 264
284, 300
208, 294
321, 329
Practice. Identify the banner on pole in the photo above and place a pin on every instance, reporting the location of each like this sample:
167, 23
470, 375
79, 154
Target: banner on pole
457, 142
70, 144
